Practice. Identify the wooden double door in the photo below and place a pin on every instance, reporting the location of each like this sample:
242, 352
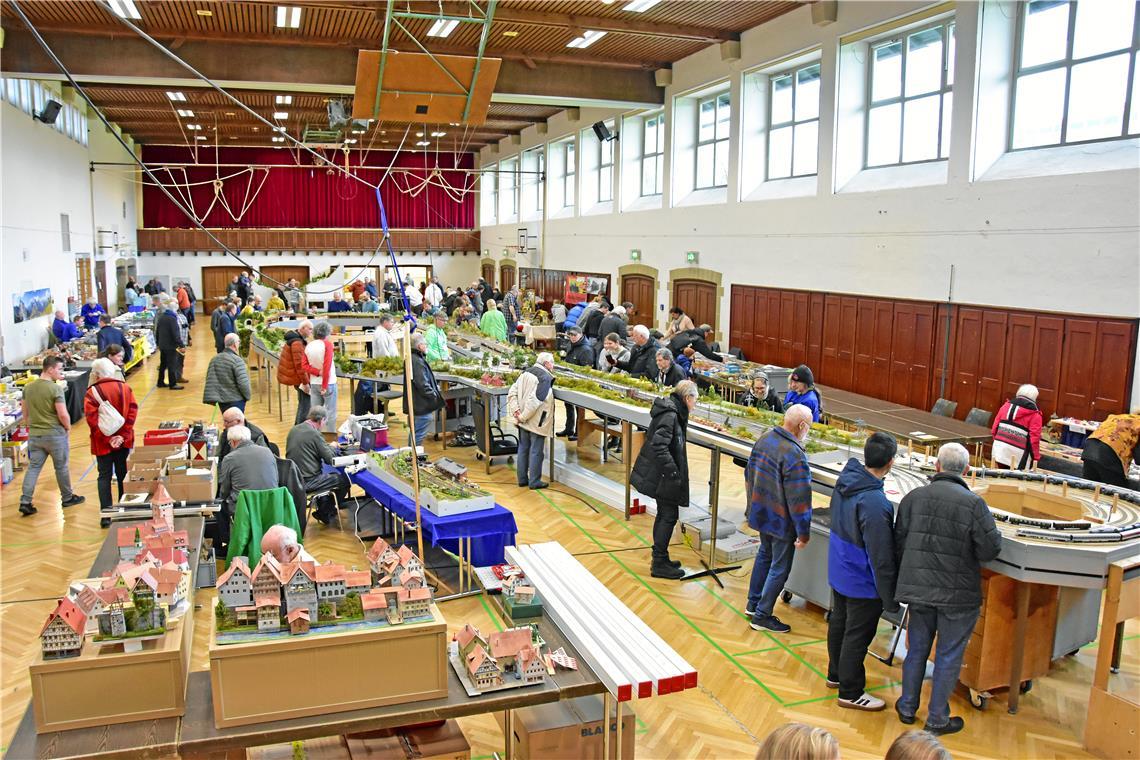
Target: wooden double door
641, 291
697, 298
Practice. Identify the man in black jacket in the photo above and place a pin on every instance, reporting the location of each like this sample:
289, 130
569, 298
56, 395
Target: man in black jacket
109, 335
642, 356
668, 373
943, 534
613, 322
695, 341
426, 398
592, 327
662, 471
233, 417
168, 340
580, 354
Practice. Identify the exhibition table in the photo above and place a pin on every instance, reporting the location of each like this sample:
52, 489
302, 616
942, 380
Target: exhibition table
904, 422
489, 531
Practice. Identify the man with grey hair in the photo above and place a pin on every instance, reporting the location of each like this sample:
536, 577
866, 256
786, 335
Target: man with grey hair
642, 357
168, 339
668, 373
227, 378
433, 294
233, 417
281, 541
306, 447
426, 398
383, 343
248, 467
943, 534
530, 401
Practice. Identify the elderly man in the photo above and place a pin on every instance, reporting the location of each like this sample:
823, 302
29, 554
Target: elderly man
531, 402
943, 534
338, 303
614, 322
247, 467
668, 373
779, 507
642, 356
662, 471
168, 340
291, 366
579, 354
281, 542
512, 313
233, 417
227, 378
90, 312
49, 427
425, 394
222, 323
306, 447
436, 338
64, 329
293, 295
383, 344
367, 305
493, 324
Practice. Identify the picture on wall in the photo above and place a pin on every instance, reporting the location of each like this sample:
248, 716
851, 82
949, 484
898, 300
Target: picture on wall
32, 304
596, 286
576, 285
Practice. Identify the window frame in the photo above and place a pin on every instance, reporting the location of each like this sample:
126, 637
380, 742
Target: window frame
513, 211
658, 156
715, 142
604, 147
494, 205
948, 25
1068, 63
794, 74
569, 174
539, 178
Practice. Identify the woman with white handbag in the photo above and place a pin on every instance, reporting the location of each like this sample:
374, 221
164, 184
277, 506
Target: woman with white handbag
111, 409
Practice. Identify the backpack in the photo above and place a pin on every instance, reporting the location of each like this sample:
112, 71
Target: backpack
110, 418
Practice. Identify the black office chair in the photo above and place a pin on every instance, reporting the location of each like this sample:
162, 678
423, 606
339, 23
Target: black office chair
979, 417
737, 352
944, 407
501, 444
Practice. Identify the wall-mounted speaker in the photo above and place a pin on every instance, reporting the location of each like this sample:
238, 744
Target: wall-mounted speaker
50, 112
602, 131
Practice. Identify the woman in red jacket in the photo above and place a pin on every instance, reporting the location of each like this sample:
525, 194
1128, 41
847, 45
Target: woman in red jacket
1017, 431
110, 451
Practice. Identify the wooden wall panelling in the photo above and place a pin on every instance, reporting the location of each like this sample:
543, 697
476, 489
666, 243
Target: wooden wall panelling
991, 363
864, 344
741, 306
487, 270
214, 283
760, 327
967, 352
815, 329
772, 328
1045, 366
829, 341
881, 347
1078, 367
1019, 343
1115, 358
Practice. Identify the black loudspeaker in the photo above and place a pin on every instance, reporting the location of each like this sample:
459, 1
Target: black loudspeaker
50, 112
602, 131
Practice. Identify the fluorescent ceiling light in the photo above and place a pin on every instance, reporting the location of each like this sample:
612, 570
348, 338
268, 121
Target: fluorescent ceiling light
185, 112
640, 6
589, 37
280, 114
277, 129
350, 141
423, 142
510, 33
419, 134
194, 126
288, 16
203, 12
176, 96
359, 131
442, 27
278, 139
201, 137
124, 9
438, 134
283, 100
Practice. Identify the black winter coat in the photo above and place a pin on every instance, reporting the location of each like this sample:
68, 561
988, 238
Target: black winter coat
642, 360
167, 333
694, 339
662, 467
580, 354
612, 323
593, 323
425, 390
673, 376
943, 534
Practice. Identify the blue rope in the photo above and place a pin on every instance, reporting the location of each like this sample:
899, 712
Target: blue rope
408, 316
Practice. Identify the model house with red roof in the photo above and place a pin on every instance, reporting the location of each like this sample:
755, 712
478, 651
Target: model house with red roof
414, 603
62, 633
298, 621
484, 671
382, 558
331, 582
357, 581
374, 605
266, 578
299, 586
268, 613
235, 585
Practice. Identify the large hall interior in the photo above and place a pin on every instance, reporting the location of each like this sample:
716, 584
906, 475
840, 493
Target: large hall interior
479, 379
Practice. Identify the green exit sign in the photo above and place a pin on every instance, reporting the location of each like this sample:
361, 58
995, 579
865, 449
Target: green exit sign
692, 256
635, 255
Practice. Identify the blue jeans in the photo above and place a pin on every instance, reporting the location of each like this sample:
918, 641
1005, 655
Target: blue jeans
769, 573
40, 447
316, 398
532, 448
953, 627
423, 423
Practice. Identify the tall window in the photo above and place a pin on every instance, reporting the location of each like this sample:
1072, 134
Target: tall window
539, 181
652, 154
912, 79
30, 96
793, 123
508, 186
492, 189
606, 169
1078, 76
570, 173
714, 115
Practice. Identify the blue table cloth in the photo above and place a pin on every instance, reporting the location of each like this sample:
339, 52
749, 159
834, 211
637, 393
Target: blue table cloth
490, 530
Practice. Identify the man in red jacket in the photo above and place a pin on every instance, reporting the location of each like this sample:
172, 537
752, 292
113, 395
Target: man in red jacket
291, 370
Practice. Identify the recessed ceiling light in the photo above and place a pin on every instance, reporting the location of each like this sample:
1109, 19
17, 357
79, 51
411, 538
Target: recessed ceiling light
124, 9
278, 139
230, 113
359, 131
385, 141
185, 112
194, 127
589, 37
454, 123
423, 142
510, 33
442, 27
438, 134
288, 16
283, 100
419, 134
383, 131
176, 96
201, 137
640, 6
204, 12
279, 129
256, 128
280, 114
350, 141
233, 137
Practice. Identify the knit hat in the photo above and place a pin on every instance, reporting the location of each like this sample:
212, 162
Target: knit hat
574, 330
802, 374
1028, 391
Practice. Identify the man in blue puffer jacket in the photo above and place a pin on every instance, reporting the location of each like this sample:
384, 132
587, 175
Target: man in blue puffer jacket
575, 313
860, 569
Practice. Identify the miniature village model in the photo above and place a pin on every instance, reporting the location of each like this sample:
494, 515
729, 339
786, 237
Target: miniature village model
519, 598
504, 660
276, 600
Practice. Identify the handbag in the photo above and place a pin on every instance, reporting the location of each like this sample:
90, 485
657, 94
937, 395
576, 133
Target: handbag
110, 418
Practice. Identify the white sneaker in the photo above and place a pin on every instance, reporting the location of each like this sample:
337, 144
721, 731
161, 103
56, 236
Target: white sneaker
866, 702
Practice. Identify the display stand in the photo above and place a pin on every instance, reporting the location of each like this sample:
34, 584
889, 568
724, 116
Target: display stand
1110, 729
711, 570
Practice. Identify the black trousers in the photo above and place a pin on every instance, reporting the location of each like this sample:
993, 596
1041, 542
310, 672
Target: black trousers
337, 482
115, 462
663, 525
304, 402
571, 425
850, 630
1103, 466
169, 366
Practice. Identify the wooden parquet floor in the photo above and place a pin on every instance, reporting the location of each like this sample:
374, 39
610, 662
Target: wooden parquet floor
750, 682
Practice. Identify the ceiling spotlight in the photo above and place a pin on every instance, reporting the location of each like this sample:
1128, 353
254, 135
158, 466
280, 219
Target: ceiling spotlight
589, 37
185, 113
453, 123
423, 142
194, 127
124, 9
288, 16
350, 141
176, 96
279, 129
383, 131
278, 139
510, 33
283, 100
442, 27
204, 12
200, 137
438, 134
280, 115
419, 134
640, 6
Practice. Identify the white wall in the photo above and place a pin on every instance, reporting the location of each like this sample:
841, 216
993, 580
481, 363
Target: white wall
114, 196
43, 174
1066, 242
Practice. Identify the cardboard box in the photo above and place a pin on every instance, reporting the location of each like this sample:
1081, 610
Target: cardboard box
184, 485
142, 477
325, 748
568, 729
156, 453
441, 741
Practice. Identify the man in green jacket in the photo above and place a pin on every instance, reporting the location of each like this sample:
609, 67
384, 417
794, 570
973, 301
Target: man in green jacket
436, 337
227, 377
493, 324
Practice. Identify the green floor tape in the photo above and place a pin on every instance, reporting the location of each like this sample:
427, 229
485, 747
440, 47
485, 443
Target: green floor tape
490, 613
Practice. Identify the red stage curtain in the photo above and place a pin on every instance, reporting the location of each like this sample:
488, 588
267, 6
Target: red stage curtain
309, 195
